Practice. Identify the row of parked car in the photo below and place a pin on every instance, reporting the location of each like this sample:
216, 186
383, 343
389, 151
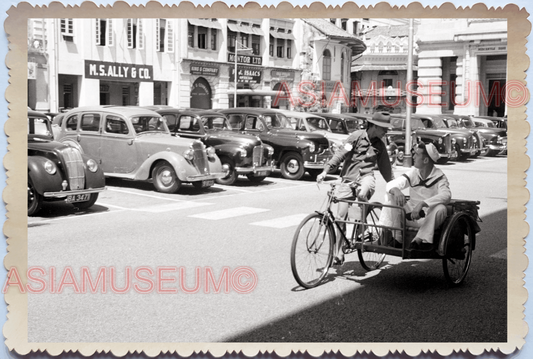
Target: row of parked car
71, 153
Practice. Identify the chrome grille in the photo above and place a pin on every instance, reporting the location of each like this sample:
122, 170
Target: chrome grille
200, 157
257, 156
74, 168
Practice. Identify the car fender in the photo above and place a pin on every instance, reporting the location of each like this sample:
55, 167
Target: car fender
229, 151
182, 167
42, 180
93, 179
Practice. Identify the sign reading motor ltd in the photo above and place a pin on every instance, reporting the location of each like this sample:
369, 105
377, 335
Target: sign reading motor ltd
117, 71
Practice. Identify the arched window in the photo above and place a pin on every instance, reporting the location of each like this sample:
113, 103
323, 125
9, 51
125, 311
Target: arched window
326, 65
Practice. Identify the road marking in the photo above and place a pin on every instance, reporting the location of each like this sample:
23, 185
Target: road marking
160, 208
501, 254
282, 222
146, 195
228, 213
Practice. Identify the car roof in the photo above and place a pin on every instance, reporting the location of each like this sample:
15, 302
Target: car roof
301, 114
121, 110
189, 111
254, 110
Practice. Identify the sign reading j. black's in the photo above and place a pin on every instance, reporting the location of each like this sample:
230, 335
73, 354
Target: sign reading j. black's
117, 71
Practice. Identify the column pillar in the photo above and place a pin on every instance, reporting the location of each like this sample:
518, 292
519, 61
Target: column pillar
430, 85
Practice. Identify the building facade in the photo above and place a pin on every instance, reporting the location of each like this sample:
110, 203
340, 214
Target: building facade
201, 63
462, 66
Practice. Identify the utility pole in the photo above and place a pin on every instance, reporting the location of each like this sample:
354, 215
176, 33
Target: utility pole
407, 159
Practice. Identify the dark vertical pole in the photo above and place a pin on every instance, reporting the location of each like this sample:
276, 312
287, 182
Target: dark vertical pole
408, 160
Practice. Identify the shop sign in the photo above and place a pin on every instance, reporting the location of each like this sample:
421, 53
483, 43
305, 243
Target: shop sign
117, 71
492, 48
282, 75
245, 59
204, 69
246, 74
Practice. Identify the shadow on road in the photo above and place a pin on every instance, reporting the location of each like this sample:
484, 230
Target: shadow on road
409, 301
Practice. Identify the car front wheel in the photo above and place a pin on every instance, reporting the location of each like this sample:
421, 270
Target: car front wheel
35, 200
292, 166
165, 179
231, 174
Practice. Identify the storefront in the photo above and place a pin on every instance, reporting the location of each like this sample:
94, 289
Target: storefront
118, 84
203, 77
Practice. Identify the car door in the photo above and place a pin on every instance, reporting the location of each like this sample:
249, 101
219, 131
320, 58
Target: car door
88, 133
118, 146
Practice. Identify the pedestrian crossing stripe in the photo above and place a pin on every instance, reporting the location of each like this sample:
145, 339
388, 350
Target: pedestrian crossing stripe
282, 222
229, 213
159, 208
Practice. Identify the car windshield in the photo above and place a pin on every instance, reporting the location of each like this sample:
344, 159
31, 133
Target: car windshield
485, 124
352, 125
435, 122
277, 121
399, 123
452, 123
39, 128
468, 123
216, 123
317, 124
145, 124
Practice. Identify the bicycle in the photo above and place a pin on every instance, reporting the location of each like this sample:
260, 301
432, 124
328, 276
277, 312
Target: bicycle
315, 239
316, 236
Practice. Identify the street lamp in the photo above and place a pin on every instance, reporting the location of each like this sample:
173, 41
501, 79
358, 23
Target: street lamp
246, 50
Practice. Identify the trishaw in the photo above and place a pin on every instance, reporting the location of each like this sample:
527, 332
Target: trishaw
313, 245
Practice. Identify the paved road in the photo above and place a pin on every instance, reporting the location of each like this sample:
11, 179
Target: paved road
252, 226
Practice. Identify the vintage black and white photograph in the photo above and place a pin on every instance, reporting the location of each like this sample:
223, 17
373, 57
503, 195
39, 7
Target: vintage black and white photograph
268, 180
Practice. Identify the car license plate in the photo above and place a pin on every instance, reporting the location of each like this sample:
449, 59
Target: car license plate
260, 173
208, 183
78, 198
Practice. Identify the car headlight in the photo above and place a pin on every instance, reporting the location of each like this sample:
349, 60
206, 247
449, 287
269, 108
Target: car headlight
454, 141
50, 167
440, 141
242, 152
474, 139
211, 152
92, 165
270, 151
419, 139
312, 147
189, 154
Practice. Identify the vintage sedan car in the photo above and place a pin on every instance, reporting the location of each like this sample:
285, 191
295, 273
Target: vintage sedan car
312, 122
135, 144
294, 151
464, 142
240, 154
57, 172
462, 123
419, 133
499, 122
495, 139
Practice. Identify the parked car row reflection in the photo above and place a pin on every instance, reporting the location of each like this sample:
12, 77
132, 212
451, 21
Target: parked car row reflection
174, 146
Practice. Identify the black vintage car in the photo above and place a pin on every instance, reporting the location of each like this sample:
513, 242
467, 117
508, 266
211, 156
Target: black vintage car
57, 172
294, 151
464, 124
495, 139
240, 154
419, 133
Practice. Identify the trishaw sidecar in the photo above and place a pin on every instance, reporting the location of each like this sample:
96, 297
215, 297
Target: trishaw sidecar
454, 240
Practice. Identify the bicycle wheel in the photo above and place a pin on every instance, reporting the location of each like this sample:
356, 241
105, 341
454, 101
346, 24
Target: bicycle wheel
369, 259
459, 238
312, 250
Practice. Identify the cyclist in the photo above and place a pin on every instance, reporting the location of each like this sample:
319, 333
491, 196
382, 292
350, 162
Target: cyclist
360, 153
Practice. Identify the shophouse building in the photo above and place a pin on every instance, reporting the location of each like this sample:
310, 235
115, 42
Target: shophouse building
184, 62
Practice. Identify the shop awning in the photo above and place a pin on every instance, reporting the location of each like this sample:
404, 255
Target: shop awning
281, 35
205, 23
246, 29
367, 67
